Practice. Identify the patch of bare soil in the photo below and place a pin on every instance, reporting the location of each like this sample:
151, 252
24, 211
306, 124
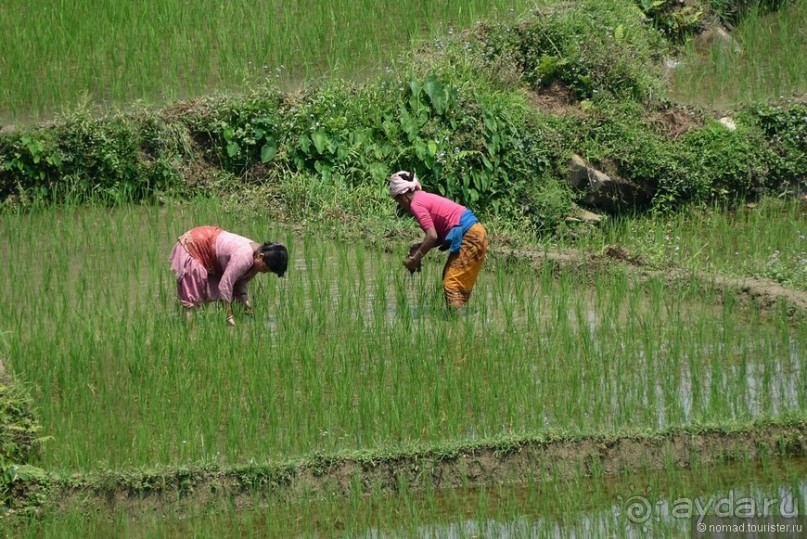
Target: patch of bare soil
512, 462
555, 99
619, 253
675, 121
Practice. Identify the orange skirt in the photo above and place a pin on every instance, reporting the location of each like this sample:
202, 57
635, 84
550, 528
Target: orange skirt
463, 267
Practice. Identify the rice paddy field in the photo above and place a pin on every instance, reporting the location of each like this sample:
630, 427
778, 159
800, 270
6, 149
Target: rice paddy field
766, 60
349, 354
108, 53
766, 240
639, 505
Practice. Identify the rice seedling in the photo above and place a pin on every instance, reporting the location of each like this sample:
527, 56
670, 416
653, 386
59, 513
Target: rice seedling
349, 352
661, 505
767, 240
767, 63
112, 54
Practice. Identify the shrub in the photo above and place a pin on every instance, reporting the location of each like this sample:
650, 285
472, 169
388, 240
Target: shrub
113, 160
596, 48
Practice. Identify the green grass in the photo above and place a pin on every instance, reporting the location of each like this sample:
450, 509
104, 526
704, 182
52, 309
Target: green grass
605, 506
113, 53
770, 63
349, 352
768, 240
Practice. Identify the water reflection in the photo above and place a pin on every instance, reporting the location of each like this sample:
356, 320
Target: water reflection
660, 517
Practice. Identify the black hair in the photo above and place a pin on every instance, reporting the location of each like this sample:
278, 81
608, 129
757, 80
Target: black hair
276, 257
405, 176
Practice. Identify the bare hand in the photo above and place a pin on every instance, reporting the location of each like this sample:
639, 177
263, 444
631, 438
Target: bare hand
413, 264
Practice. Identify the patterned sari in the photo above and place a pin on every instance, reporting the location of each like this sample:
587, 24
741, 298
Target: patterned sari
462, 268
194, 263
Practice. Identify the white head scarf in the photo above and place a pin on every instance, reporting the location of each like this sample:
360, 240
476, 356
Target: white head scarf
399, 185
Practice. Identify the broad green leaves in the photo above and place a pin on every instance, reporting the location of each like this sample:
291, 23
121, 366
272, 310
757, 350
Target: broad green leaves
464, 145
268, 152
248, 135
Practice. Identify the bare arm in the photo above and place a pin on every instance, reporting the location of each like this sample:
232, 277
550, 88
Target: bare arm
241, 293
429, 241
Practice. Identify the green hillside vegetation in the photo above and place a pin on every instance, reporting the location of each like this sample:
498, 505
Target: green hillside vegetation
463, 113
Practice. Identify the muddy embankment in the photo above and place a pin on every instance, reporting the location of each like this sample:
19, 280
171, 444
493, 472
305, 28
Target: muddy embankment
510, 460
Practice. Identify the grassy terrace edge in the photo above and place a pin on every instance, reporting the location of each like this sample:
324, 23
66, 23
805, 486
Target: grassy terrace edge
499, 460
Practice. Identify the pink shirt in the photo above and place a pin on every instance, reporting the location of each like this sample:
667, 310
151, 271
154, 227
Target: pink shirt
434, 211
235, 254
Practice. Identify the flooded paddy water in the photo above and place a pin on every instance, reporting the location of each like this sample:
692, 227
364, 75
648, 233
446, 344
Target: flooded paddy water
628, 505
351, 353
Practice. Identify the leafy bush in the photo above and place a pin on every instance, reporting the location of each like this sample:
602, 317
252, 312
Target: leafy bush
784, 131
113, 160
678, 20
339, 131
478, 146
675, 19
726, 163
241, 132
596, 48
707, 164
20, 438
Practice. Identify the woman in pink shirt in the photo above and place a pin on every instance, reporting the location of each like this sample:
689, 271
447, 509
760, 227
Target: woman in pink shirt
212, 264
448, 225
